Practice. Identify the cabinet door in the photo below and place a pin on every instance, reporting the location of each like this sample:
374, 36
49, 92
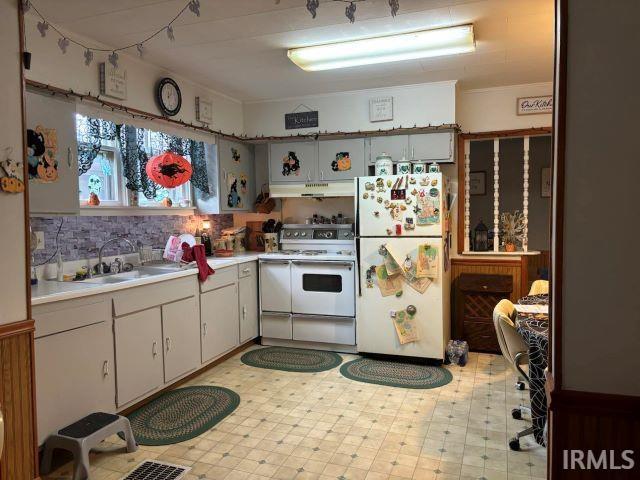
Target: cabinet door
220, 321
394, 145
181, 333
57, 118
340, 159
293, 162
236, 168
432, 146
75, 376
138, 340
248, 300
275, 285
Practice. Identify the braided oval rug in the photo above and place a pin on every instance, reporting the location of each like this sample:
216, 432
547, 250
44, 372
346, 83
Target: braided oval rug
292, 359
396, 374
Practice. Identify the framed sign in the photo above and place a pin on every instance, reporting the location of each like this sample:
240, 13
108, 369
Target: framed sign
204, 110
477, 183
381, 109
113, 81
534, 105
545, 182
301, 120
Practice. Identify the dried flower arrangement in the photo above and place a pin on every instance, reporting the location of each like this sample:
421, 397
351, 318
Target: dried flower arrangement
511, 229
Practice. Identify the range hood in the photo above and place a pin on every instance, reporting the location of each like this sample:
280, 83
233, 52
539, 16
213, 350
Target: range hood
312, 189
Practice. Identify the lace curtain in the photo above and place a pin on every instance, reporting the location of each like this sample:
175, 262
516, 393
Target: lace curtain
91, 132
136, 146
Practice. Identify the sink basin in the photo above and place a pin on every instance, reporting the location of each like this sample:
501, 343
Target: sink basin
138, 272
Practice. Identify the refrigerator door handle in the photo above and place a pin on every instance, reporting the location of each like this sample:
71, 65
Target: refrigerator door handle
358, 266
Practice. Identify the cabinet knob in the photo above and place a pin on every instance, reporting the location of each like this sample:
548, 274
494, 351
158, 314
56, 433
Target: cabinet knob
204, 329
244, 312
246, 270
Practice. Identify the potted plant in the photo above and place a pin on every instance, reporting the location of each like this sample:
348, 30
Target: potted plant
511, 229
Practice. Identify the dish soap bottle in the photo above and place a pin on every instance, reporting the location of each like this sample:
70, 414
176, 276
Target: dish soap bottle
59, 267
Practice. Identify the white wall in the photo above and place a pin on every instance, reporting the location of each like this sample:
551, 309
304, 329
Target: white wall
601, 305
421, 105
13, 294
49, 65
491, 109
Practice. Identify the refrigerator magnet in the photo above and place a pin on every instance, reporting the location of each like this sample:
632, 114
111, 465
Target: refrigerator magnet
365, 195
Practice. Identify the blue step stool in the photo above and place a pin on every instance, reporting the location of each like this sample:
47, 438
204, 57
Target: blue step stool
80, 437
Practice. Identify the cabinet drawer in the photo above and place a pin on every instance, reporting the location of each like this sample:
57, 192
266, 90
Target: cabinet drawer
223, 276
275, 325
324, 329
141, 298
62, 316
247, 269
481, 336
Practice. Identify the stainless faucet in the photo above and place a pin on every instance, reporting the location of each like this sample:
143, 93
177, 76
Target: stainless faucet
111, 240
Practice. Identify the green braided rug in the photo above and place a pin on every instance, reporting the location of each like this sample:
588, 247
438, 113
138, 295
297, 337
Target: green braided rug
291, 359
182, 414
395, 374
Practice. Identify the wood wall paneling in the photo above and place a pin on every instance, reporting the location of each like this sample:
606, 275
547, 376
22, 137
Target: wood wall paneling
16, 397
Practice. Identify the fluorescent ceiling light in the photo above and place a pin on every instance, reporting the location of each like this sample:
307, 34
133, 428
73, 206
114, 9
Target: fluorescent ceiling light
391, 48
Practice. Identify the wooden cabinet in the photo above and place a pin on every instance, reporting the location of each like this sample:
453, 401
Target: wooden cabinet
293, 162
138, 340
432, 147
74, 362
340, 159
476, 297
236, 169
59, 117
394, 145
181, 333
248, 303
219, 319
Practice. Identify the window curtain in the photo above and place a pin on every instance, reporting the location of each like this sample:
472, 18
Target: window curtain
138, 145
91, 132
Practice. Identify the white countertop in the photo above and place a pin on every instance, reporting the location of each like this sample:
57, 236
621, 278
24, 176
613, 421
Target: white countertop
47, 291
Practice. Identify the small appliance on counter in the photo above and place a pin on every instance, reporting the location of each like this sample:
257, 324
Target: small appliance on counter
308, 288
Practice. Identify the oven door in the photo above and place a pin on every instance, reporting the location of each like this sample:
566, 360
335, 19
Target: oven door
323, 287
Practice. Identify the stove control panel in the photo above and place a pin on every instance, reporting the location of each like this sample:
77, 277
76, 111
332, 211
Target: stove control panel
315, 232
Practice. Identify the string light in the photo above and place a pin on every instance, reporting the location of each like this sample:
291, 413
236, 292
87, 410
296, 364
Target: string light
88, 52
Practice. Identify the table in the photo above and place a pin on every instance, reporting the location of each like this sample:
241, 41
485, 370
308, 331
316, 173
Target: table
534, 328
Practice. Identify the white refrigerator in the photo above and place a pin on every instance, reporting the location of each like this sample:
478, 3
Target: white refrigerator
398, 215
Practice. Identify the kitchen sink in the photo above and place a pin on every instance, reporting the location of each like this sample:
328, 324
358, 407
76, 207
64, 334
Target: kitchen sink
137, 272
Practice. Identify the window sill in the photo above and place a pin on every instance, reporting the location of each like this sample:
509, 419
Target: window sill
110, 210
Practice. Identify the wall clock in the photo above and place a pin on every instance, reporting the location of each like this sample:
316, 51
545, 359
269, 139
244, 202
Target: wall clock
168, 96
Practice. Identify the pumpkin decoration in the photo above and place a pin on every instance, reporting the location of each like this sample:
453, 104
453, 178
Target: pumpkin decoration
93, 201
166, 202
11, 185
169, 170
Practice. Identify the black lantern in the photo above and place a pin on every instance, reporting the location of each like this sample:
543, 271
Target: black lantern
480, 237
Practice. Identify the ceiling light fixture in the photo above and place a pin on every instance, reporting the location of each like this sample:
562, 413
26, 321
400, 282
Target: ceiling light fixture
390, 48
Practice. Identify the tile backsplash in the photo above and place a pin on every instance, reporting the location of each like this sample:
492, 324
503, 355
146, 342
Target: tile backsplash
80, 236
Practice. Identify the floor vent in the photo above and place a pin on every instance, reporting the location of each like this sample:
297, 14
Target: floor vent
154, 470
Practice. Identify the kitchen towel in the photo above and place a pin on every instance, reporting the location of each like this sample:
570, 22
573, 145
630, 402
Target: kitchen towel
197, 254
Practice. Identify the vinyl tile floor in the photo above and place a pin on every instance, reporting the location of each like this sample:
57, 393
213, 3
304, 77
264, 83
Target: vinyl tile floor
324, 426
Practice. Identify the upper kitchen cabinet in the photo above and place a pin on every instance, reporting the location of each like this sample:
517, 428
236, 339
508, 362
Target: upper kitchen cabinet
340, 159
394, 145
294, 162
432, 147
236, 169
52, 155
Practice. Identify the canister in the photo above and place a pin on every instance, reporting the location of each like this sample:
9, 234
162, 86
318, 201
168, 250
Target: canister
384, 164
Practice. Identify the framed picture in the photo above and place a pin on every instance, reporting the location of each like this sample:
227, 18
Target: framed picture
545, 182
478, 183
381, 109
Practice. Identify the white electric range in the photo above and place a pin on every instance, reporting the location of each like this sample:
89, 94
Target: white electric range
308, 288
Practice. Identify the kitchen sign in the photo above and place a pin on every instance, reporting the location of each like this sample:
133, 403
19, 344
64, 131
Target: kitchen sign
534, 105
113, 81
381, 109
301, 120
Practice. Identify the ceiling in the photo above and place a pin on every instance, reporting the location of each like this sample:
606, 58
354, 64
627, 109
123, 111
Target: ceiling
238, 47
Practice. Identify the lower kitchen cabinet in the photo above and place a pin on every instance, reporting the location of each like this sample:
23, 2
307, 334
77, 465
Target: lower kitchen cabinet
219, 318
138, 340
75, 376
248, 301
181, 333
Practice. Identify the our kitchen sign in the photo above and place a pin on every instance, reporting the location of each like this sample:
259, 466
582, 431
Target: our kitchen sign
301, 120
534, 105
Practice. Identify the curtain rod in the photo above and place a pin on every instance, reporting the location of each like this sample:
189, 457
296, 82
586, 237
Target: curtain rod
134, 112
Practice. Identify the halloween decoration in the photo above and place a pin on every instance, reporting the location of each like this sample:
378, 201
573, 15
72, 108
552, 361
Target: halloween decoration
290, 164
235, 155
169, 170
12, 182
166, 202
94, 184
243, 183
342, 163
42, 146
93, 201
233, 199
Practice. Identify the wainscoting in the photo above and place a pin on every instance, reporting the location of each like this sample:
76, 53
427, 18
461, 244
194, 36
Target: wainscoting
17, 401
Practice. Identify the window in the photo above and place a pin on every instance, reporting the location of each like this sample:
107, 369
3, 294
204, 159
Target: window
105, 176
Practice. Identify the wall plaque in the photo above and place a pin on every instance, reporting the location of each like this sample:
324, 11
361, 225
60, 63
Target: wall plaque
113, 81
301, 120
534, 105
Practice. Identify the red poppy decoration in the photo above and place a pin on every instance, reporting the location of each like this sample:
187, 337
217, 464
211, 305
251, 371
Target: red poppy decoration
169, 170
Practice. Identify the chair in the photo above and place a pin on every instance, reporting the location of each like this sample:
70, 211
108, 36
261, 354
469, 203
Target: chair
515, 351
539, 287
